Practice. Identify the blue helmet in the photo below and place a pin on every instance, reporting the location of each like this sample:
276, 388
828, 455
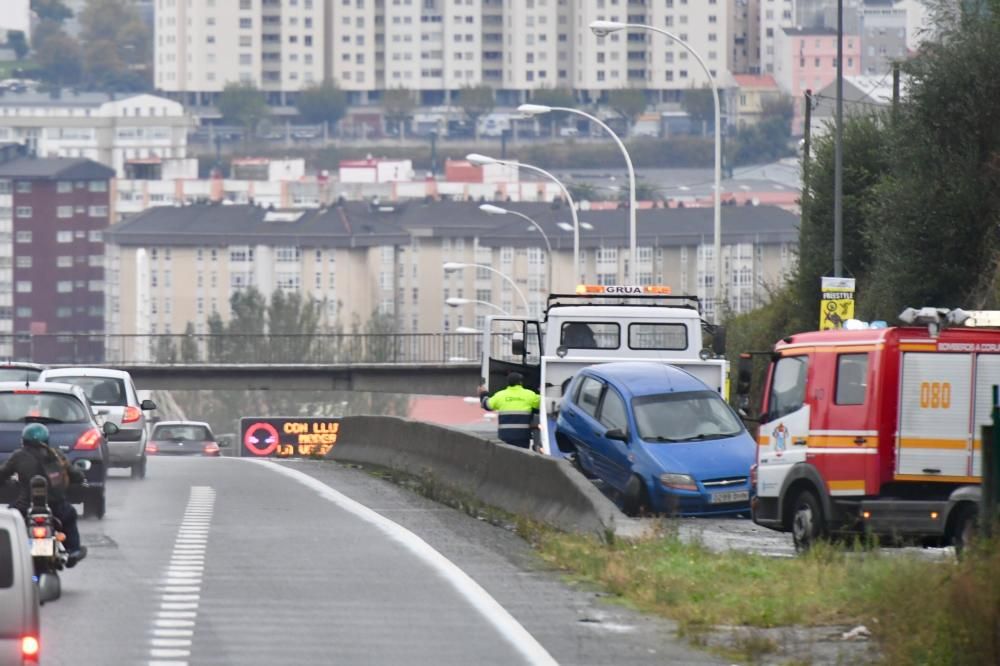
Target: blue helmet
35, 433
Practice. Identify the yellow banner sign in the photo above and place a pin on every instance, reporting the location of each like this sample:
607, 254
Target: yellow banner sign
837, 303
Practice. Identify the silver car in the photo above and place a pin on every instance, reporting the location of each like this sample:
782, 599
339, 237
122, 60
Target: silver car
19, 637
114, 398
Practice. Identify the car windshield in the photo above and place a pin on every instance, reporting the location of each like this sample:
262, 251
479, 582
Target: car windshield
185, 433
32, 406
684, 417
8, 374
101, 391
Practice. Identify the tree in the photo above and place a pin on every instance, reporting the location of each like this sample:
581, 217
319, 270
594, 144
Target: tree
325, 103
58, 55
766, 141
397, 107
117, 52
298, 318
243, 104
19, 43
51, 10
476, 101
628, 103
554, 97
189, 345
699, 104
164, 351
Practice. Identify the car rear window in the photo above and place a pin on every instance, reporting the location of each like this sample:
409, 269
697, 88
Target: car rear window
187, 433
24, 406
658, 336
101, 391
6, 559
19, 374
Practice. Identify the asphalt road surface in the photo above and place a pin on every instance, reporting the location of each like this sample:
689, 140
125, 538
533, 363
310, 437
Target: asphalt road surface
226, 561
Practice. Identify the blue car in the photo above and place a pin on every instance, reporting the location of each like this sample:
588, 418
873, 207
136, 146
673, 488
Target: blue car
659, 437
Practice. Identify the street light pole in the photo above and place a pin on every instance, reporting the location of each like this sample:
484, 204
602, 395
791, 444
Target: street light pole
450, 266
838, 152
602, 28
497, 210
480, 160
538, 109
458, 302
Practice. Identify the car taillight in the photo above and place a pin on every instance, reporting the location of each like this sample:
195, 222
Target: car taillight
39, 532
30, 648
211, 448
88, 441
151, 447
132, 414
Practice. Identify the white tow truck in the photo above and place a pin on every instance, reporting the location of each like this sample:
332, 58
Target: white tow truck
600, 324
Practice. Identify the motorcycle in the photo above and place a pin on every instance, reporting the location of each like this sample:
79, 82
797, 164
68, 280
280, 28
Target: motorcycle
48, 554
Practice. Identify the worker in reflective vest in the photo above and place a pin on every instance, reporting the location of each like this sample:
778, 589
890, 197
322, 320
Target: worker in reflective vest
515, 406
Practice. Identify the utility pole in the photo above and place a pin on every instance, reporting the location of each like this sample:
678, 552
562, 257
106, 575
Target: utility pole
895, 90
838, 153
806, 135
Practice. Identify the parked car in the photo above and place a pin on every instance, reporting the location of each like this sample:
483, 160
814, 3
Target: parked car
19, 599
19, 371
660, 438
182, 438
114, 398
73, 429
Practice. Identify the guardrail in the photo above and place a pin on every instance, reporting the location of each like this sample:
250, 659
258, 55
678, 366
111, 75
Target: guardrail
223, 349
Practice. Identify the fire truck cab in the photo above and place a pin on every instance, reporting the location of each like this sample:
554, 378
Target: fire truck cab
875, 431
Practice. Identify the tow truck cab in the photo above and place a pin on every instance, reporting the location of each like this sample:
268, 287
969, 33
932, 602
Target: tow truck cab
599, 324
874, 431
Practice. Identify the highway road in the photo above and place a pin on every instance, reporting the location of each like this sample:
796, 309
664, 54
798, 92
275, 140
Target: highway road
227, 561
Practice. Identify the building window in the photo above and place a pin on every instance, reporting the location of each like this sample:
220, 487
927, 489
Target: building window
64, 262
24, 261
22, 211
98, 186
23, 187
64, 286
64, 236
24, 286
64, 212
98, 211
287, 255
25, 311
64, 187
96, 285
25, 236
240, 253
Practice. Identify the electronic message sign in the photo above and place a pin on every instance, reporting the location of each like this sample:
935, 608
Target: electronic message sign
287, 436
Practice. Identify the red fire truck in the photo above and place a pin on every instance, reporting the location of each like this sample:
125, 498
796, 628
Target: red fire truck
876, 431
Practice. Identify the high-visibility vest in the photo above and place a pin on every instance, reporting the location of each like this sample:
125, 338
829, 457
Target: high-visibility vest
514, 406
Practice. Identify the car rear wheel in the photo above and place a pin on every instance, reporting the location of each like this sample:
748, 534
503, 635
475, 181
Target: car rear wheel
965, 528
808, 525
139, 469
94, 507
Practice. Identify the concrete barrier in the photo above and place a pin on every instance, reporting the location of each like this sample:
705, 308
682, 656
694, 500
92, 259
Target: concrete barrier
521, 482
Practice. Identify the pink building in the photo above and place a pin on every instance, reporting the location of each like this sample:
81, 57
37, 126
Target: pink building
806, 59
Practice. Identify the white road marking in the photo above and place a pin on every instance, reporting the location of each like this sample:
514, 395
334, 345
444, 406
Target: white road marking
512, 631
173, 628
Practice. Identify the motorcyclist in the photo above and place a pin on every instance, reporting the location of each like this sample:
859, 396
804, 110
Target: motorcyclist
36, 458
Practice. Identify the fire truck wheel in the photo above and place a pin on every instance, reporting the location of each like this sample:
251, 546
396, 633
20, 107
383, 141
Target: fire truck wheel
964, 531
807, 520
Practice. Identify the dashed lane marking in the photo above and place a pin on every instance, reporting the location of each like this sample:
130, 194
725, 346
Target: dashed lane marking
180, 587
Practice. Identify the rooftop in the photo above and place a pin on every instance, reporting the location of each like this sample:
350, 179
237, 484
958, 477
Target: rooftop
53, 168
755, 81
365, 225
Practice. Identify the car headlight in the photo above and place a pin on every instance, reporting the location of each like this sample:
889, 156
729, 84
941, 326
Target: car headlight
678, 481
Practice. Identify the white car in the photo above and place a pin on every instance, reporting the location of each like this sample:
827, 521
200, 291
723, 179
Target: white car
114, 398
19, 597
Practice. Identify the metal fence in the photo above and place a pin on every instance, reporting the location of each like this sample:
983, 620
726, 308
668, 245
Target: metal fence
319, 349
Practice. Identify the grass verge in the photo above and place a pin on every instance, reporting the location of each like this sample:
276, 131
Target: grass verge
921, 612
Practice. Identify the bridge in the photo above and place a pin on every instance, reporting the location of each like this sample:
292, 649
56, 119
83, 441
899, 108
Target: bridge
420, 363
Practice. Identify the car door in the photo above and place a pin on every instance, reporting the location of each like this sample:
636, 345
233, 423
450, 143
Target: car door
616, 454
581, 420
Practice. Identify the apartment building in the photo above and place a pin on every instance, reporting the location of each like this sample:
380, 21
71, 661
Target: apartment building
434, 47
16, 17
171, 266
883, 36
53, 213
107, 129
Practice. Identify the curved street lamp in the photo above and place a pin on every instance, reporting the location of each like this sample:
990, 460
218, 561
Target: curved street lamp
602, 29
480, 160
458, 302
490, 209
452, 266
539, 109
